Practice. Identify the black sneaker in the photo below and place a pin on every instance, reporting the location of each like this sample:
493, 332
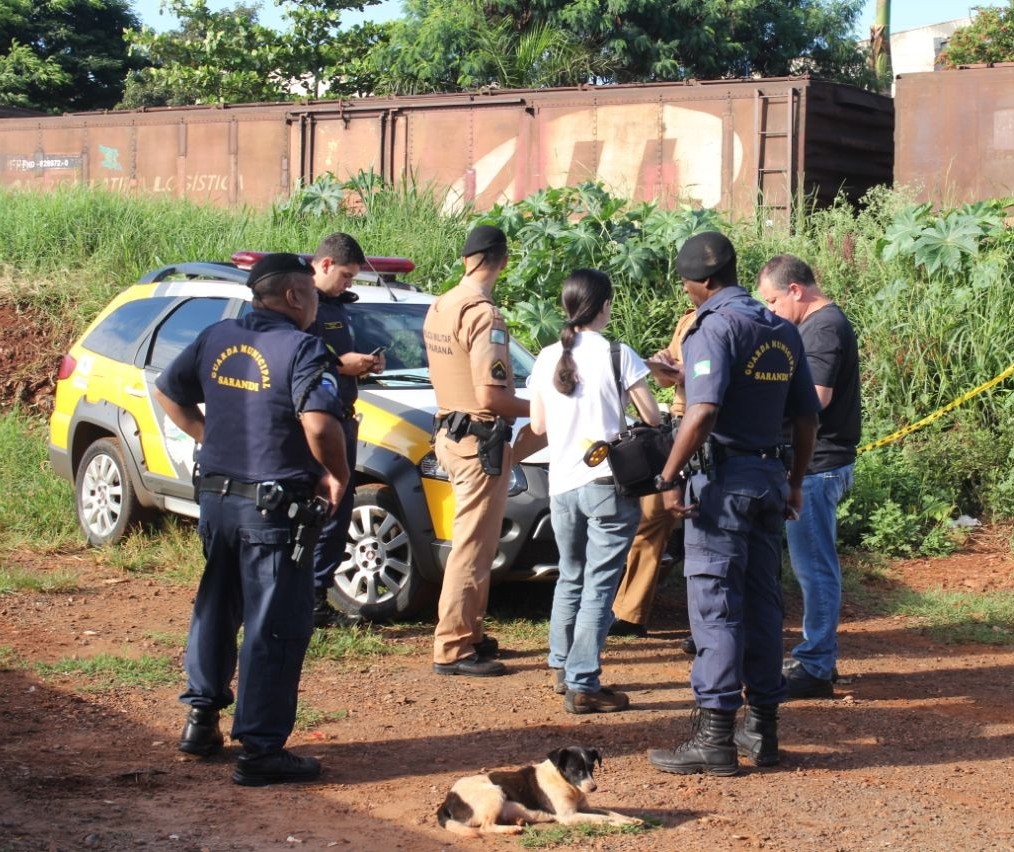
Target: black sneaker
689, 646
274, 767
628, 628
802, 684
559, 681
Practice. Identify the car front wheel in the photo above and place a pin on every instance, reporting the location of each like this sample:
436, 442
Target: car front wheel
378, 579
106, 503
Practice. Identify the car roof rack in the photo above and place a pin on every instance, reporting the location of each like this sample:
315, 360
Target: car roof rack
198, 269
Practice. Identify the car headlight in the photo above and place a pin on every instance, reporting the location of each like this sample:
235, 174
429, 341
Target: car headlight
432, 469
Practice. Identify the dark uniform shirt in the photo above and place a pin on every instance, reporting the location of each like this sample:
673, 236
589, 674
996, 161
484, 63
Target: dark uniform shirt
255, 374
742, 358
333, 327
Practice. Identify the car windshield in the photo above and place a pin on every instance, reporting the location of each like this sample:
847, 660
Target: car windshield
398, 328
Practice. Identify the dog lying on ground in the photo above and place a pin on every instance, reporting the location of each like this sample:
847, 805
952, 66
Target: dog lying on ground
552, 791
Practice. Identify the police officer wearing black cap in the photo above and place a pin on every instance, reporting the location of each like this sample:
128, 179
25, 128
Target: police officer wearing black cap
745, 372
270, 439
467, 346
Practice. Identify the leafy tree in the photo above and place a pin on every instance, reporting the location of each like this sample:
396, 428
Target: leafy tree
214, 57
989, 38
228, 57
439, 46
63, 55
327, 60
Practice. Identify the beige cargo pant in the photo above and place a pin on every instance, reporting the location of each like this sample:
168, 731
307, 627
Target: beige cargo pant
636, 593
479, 502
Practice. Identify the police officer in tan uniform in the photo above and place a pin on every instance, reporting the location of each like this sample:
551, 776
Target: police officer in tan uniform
636, 593
470, 367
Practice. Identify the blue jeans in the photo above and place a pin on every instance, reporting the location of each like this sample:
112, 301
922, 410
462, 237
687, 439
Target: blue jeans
812, 541
594, 527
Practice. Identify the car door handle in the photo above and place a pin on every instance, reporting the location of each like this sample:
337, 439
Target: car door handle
133, 390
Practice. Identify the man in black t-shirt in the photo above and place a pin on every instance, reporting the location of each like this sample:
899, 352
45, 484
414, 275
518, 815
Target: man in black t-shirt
787, 286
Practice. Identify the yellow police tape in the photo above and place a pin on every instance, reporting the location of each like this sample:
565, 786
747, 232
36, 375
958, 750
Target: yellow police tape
936, 415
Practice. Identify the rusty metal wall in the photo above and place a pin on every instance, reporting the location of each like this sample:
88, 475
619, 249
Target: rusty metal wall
209, 155
731, 145
955, 135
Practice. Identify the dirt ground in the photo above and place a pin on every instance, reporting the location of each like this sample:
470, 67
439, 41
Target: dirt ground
914, 752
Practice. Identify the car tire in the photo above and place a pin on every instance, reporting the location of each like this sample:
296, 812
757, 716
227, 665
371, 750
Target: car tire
106, 503
379, 580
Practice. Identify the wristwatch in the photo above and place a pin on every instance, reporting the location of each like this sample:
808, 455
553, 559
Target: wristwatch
669, 484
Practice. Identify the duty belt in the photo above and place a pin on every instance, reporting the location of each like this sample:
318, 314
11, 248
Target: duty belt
216, 484
723, 452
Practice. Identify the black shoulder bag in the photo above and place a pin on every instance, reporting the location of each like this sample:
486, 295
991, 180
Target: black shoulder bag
639, 452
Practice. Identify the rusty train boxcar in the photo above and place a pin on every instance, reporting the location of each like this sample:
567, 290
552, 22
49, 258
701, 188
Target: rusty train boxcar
955, 139
726, 144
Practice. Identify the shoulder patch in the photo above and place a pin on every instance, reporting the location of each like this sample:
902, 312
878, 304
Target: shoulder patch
330, 383
498, 336
498, 371
702, 368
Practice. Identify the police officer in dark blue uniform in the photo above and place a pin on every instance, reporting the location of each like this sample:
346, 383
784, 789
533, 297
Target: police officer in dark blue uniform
336, 263
745, 373
270, 438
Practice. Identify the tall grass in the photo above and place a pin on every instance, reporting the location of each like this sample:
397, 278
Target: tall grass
36, 508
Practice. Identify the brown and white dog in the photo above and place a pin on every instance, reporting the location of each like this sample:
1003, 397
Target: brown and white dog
552, 791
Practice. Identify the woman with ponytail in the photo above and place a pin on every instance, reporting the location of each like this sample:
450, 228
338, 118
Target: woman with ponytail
574, 402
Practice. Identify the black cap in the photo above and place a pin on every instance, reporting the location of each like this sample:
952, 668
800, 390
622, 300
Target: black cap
703, 255
281, 263
484, 238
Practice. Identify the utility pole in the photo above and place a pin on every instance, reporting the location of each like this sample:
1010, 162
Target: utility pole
880, 44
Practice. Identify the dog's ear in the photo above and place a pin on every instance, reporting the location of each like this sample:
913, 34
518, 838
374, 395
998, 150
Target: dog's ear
594, 756
556, 757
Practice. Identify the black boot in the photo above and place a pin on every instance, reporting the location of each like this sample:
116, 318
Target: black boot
325, 615
201, 735
710, 748
757, 740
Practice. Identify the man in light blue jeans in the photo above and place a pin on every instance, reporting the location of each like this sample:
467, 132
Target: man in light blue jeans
786, 284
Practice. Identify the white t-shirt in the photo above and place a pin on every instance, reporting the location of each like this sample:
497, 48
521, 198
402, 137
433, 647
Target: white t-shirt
590, 414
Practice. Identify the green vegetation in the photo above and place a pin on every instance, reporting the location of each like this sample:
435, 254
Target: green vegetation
25, 580
308, 718
928, 292
583, 834
956, 617
989, 38
36, 508
173, 641
8, 658
349, 643
107, 671
175, 554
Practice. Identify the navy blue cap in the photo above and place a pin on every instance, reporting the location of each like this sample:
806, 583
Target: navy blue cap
483, 238
281, 263
703, 255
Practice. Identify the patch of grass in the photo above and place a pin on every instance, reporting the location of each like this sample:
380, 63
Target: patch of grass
959, 617
170, 551
9, 658
346, 643
27, 580
173, 640
513, 631
37, 507
308, 718
582, 834
108, 671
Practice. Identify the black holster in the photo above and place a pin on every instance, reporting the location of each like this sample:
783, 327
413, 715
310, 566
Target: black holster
308, 517
492, 437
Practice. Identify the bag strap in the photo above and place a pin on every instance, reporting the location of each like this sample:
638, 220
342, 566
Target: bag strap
614, 356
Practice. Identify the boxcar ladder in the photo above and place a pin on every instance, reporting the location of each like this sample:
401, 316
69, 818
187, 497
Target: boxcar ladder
767, 129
